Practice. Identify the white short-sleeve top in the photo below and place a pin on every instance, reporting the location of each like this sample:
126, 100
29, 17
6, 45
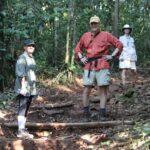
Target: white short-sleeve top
129, 51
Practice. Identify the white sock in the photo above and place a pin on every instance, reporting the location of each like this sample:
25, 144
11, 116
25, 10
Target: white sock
21, 122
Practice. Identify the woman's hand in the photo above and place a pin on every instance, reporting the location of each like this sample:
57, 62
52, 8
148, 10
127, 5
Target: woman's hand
23, 90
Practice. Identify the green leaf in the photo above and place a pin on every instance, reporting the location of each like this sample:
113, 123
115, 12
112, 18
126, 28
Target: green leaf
3, 13
146, 129
4, 102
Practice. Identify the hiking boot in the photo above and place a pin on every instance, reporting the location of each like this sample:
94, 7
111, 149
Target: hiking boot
103, 118
90, 116
102, 115
23, 133
87, 115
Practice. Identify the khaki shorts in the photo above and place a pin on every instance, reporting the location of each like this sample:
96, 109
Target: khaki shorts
99, 78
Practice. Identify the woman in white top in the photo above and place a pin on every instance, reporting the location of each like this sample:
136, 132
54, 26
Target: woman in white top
128, 57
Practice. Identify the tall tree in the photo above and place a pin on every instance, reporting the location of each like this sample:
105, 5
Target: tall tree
74, 32
56, 22
1, 45
68, 36
116, 18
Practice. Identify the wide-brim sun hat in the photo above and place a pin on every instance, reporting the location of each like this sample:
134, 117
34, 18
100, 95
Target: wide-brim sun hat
127, 26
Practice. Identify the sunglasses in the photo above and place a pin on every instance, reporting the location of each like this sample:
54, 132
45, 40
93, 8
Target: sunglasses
94, 23
32, 45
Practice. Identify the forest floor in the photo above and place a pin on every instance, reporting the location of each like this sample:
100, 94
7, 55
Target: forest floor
63, 104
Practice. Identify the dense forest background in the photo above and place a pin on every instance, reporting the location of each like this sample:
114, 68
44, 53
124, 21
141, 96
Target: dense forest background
56, 26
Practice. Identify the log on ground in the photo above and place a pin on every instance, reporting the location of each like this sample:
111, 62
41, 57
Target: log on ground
44, 126
52, 112
50, 106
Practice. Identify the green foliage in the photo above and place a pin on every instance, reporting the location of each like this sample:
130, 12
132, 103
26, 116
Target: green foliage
129, 95
6, 97
146, 129
48, 22
1, 77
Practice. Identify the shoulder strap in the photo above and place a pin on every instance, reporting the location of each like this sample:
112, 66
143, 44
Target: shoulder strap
93, 39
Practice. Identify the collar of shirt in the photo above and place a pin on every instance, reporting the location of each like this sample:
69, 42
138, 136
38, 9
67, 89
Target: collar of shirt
94, 34
127, 36
26, 54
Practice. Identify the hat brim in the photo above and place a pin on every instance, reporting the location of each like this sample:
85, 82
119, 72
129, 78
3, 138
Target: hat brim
127, 28
31, 44
94, 22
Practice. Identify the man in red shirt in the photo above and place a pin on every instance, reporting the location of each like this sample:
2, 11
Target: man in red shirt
96, 63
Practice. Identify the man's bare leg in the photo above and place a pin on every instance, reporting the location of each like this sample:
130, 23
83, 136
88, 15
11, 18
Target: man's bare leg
103, 91
86, 93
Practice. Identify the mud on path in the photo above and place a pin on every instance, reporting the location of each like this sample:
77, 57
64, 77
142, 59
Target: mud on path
64, 105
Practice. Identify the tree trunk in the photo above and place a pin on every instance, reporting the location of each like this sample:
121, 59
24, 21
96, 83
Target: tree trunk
55, 38
70, 13
73, 42
1, 47
74, 33
116, 18
67, 43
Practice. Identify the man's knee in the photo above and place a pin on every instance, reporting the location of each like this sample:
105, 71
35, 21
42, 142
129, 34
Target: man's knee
87, 90
103, 90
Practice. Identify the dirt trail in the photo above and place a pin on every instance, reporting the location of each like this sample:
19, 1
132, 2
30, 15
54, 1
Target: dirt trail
131, 103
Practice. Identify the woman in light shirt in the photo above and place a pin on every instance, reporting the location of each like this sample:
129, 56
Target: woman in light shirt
128, 57
25, 85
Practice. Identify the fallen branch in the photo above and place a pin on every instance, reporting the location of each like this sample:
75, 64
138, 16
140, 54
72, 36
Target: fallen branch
61, 138
52, 112
116, 145
50, 106
70, 125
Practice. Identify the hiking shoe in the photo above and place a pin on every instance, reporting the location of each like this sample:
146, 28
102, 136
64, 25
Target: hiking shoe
87, 116
102, 115
94, 116
103, 118
23, 133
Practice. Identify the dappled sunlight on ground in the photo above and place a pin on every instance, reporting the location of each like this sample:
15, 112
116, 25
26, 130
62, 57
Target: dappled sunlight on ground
4, 113
64, 88
71, 88
131, 103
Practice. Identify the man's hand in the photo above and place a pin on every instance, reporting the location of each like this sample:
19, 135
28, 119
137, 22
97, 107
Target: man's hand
84, 60
23, 91
108, 57
121, 59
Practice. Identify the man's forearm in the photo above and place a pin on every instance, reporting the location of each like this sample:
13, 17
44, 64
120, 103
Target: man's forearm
80, 55
115, 52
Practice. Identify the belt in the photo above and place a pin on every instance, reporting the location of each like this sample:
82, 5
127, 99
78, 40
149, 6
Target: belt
90, 60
